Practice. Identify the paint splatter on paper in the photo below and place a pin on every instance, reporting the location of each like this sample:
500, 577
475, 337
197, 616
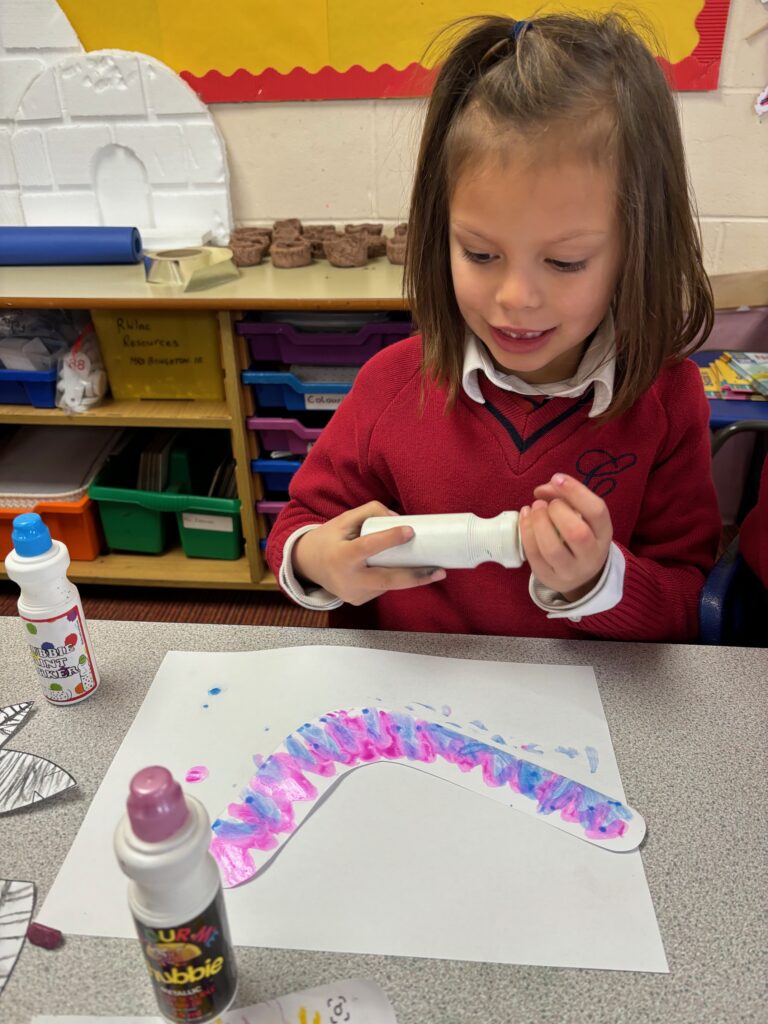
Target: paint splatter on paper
532, 748
197, 774
289, 783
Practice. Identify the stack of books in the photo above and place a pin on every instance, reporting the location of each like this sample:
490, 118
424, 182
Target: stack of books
737, 375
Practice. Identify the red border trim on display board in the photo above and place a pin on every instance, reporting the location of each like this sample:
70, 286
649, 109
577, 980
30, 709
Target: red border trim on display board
698, 71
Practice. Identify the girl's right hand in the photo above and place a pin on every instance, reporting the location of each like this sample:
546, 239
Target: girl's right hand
334, 556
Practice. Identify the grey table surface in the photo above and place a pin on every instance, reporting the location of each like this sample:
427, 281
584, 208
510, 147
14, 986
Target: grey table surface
689, 729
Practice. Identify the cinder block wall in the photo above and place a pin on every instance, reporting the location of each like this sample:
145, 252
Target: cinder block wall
353, 160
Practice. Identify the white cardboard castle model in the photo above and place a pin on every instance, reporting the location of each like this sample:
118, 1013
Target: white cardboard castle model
103, 138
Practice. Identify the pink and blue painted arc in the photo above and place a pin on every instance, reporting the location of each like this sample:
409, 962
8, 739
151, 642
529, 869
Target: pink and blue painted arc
281, 791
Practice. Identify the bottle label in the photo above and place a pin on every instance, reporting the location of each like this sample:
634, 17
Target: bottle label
191, 966
62, 656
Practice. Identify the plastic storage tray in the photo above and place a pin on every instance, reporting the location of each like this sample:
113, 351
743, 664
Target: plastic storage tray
149, 520
276, 473
270, 510
75, 523
25, 387
281, 435
287, 344
136, 520
284, 390
48, 464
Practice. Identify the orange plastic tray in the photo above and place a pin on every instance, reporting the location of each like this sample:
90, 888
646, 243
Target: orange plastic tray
75, 523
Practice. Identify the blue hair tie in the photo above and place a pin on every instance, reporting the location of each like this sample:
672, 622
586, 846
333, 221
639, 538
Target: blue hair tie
518, 27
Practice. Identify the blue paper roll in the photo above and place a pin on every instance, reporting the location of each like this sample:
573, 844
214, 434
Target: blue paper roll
59, 246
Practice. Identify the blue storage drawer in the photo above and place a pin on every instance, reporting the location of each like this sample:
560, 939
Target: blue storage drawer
276, 473
284, 390
27, 387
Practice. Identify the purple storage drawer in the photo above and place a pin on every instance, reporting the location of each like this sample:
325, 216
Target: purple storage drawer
286, 344
281, 435
270, 509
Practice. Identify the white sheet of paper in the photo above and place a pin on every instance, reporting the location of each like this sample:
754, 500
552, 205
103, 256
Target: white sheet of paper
352, 1001
394, 861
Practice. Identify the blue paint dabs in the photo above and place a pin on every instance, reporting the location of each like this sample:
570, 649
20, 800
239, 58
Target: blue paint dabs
214, 691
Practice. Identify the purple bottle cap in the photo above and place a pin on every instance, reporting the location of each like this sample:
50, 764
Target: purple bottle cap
156, 805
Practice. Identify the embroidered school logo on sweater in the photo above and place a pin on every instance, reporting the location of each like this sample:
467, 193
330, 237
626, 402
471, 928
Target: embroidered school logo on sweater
598, 469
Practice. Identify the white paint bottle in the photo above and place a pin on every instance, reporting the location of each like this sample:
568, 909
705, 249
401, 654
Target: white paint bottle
452, 540
175, 898
52, 613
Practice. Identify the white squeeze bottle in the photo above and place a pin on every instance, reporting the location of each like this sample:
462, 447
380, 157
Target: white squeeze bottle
451, 540
175, 898
52, 613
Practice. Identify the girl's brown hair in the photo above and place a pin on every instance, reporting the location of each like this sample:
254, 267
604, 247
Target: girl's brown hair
594, 79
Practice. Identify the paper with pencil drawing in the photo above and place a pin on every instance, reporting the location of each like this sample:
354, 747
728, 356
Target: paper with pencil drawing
340, 1002
17, 901
26, 779
391, 860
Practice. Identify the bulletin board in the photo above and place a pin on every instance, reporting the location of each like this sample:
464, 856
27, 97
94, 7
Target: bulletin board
268, 50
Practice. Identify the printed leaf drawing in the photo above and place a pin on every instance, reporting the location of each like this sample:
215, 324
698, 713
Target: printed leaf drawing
11, 718
26, 779
17, 900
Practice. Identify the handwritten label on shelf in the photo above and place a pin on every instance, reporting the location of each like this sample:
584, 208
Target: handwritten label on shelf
199, 521
161, 353
322, 401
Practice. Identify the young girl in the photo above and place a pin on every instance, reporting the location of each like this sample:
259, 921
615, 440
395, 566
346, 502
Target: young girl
555, 272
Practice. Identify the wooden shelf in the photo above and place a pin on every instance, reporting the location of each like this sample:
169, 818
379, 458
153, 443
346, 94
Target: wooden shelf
172, 569
115, 413
745, 289
378, 285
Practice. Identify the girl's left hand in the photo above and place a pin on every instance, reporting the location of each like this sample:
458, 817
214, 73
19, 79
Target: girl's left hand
566, 535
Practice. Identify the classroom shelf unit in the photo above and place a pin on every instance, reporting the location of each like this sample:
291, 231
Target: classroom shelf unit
375, 287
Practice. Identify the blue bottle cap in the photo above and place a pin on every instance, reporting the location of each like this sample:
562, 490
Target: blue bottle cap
30, 536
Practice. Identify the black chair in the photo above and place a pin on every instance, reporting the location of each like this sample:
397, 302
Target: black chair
733, 607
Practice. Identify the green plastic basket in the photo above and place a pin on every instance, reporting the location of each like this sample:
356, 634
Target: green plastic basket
148, 521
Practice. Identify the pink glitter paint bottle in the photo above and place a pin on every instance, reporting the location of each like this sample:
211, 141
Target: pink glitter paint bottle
175, 898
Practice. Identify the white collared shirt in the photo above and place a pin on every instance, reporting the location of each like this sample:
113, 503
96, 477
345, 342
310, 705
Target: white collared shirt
597, 368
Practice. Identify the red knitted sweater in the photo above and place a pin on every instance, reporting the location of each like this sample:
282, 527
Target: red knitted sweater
651, 466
